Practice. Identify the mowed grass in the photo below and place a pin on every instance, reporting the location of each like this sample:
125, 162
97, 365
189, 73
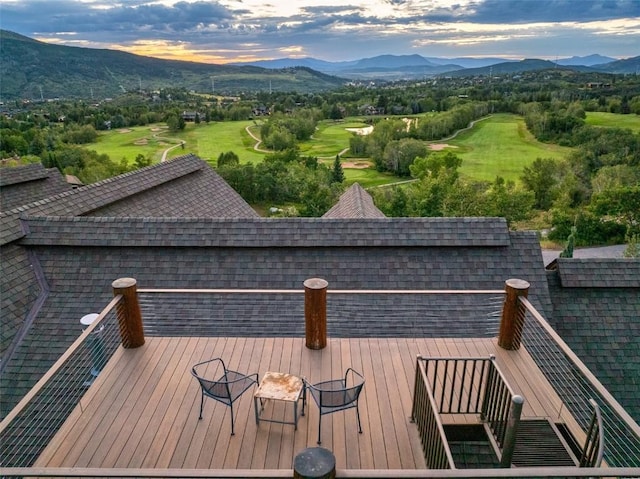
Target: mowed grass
613, 120
368, 177
205, 140
331, 138
208, 141
127, 143
497, 146
502, 146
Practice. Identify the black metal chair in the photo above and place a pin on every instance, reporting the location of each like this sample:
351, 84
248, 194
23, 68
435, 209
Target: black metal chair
227, 388
337, 395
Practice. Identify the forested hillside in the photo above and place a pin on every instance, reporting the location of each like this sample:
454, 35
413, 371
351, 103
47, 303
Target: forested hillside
35, 70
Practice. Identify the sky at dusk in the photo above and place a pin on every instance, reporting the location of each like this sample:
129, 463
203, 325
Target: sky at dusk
225, 31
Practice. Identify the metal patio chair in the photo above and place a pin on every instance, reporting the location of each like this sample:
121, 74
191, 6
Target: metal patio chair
337, 395
227, 388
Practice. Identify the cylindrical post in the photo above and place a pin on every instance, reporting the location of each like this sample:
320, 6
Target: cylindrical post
129, 316
512, 321
315, 312
511, 433
95, 343
314, 463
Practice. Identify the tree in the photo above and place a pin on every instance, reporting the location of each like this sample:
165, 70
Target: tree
567, 252
436, 164
337, 175
399, 155
358, 145
633, 246
173, 123
622, 203
335, 113
141, 161
228, 159
541, 177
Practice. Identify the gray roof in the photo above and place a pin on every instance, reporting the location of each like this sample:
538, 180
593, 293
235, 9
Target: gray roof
158, 190
596, 310
599, 273
268, 233
355, 202
20, 185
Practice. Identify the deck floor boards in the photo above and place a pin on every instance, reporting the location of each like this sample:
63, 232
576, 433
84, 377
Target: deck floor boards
142, 411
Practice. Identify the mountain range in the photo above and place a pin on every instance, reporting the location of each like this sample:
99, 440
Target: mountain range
397, 67
32, 69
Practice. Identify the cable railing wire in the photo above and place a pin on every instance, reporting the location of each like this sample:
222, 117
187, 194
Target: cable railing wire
469, 314
622, 443
349, 314
28, 433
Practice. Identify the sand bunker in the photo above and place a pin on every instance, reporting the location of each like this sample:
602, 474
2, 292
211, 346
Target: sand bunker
361, 131
124, 130
440, 146
356, 165
141, 141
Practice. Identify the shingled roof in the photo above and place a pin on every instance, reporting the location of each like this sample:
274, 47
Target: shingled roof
24, 184
355, 202
158, 190
596, 310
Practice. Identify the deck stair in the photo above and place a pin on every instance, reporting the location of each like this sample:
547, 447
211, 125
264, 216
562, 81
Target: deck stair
540, 443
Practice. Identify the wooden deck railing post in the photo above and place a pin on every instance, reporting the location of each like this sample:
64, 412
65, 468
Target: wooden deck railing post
129, 316
315, 313
512, 321
511, 433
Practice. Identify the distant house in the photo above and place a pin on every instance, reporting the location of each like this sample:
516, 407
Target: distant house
261, 110
189, 115
372, 110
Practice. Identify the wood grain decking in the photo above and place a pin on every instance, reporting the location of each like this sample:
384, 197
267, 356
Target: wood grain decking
142, 411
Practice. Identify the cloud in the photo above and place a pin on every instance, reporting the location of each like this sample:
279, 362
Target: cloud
332, 29
532, 11
135, 17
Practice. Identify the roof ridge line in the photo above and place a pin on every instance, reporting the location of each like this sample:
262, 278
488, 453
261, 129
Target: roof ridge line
91, 186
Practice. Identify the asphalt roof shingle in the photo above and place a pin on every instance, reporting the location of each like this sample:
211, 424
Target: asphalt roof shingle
220, 200
25, 184
596, 310
599, 273
265, 232
355, 202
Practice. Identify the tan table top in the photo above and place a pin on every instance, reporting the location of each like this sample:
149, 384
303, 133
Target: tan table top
281, 386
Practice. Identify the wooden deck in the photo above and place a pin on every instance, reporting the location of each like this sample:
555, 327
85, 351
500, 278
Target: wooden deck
142, 411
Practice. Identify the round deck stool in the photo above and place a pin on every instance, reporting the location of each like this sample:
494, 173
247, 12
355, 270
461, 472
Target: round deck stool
314, 463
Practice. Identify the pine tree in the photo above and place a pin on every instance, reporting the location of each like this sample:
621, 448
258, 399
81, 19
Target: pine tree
337, 175
567, 252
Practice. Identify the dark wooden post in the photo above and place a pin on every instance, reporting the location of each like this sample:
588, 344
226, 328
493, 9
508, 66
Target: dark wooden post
314, 463
513, 422
512, 321
315, 313
129, 316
